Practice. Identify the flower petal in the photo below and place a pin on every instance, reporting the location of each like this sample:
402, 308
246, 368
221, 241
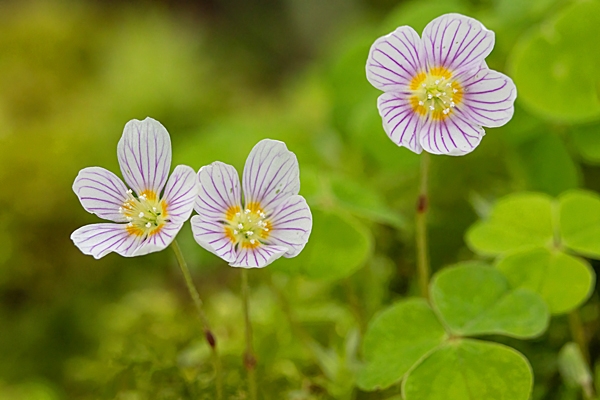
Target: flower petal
271, 174
100, 239
395, 59
144, 153
489, 98
101, 192
180, 193
291, 224
457, 43
218, 192
160, 240
258, 257
211, 236
453, 135
401, 123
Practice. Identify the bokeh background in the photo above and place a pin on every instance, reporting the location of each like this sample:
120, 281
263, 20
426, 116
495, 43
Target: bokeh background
221, 75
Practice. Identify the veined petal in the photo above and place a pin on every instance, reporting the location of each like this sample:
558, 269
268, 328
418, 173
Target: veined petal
457, 43
180, 193
271, 174
453, 135
218, 191
291, 224
100, 239
101, 192
211, 235
401, 121
395, 59
489, 98
144, 153
258, 257
160, 240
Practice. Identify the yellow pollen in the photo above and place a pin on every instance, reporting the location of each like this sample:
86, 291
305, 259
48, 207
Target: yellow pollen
435, 93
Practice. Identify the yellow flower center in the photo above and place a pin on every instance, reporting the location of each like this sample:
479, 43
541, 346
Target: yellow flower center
248, 227
435, 92
145, 213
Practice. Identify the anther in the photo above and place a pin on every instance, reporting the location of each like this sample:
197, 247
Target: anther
437, 81
250, 233
421, 103
240, 226
454, 90
237, 214
247, 211
129, 219
452, 104
235, 232
429, 96
141, 214
148, 224
431, 108
154, 209
252, 241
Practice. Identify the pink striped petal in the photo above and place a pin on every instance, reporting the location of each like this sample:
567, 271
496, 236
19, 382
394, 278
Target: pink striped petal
453, 135
395, 59
291, 224
271, 174
100, 239
211, 236
101, 192
489, 98
180, 193
218, 191
144, 153
457, 43
258, 257
159, 241
401, 123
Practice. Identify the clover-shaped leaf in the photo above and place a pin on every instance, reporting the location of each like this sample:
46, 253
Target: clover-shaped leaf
517, 221
396, 339
580, 222
474, 299
563, 281
469, 369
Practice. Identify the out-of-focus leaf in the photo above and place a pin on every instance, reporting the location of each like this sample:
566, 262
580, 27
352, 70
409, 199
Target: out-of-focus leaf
469, 369
574, 368
517, 221
580, 222
548, 165
395, 340
364, 202
587, 141
475, 299
556, 66
563, 281
338, 246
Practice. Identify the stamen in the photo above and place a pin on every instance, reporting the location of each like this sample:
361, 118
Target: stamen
148, 224
252, 241
240, 226
235, 231
421, 103
141, 214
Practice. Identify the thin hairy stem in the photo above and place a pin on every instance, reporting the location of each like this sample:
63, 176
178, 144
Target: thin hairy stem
421, 228
210, 337
249, 358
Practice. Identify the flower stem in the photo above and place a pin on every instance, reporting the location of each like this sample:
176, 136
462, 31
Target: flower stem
210, 337
249, 358
421, 228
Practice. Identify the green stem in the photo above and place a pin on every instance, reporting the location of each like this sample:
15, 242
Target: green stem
249, 358
210, 337
421, 228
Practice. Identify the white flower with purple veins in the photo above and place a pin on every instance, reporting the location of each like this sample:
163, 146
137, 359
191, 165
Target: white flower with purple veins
439, 92
146, 218
272, 221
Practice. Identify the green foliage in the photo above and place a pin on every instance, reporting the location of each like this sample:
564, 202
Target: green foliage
580, 222
396, 339
563, 281
517, 221
475, 299
344, 240
574, 368
410, 341
557, 61
469, 369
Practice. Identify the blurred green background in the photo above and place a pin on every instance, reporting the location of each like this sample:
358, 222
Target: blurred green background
221, 75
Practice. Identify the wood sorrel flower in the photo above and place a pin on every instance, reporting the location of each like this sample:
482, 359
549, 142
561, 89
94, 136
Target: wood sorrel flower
147, 218
438, 89
272, 221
